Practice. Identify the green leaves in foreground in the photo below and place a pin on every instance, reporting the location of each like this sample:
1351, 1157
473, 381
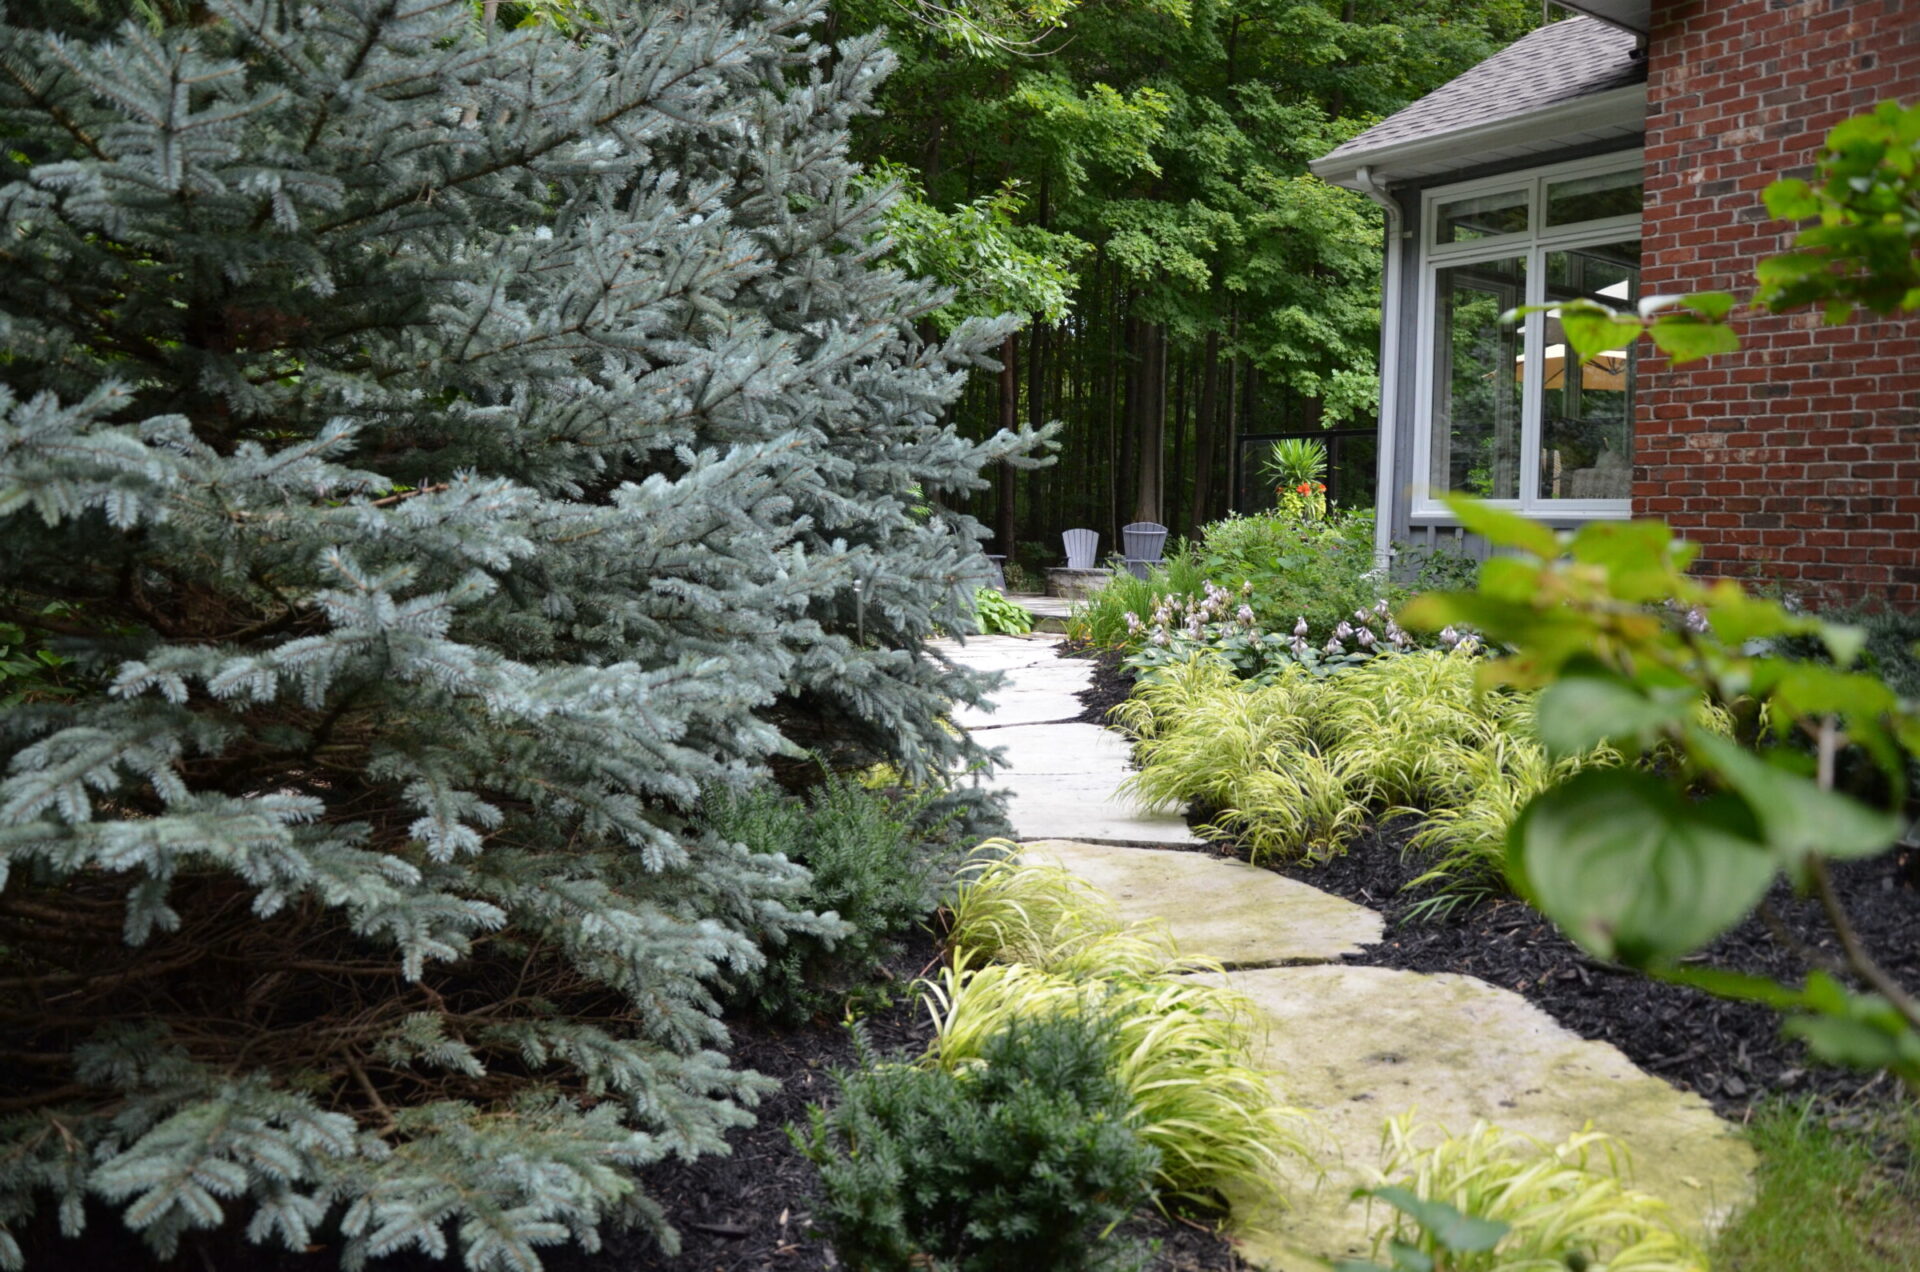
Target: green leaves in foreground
1740, 746
1685, 328
1632, 869
1445, 1226
1866, 194
1859, 1031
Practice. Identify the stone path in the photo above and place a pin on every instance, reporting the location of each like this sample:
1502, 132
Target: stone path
1353, 1045
1060, 774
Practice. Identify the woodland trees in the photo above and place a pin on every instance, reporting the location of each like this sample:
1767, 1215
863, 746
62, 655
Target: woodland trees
1157, 151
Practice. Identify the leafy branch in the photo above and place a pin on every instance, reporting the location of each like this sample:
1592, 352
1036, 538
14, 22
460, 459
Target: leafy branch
1863, 254
1648, 865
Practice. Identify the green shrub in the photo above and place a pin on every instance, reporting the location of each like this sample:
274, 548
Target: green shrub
1025, 1160
1261, 590
1319, 570
1101, 618
1564, 1206
1180, 1045
868, 865
1179, 1048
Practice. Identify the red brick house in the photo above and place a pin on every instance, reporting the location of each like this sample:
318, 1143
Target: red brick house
1618, 153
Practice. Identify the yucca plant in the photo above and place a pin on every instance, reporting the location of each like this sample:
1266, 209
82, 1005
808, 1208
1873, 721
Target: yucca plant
1564, 1206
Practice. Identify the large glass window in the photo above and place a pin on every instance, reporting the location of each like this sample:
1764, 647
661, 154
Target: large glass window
1586, 411
1476, 407
1510, 414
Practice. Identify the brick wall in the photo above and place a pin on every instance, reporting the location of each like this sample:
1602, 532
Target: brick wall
1797, 458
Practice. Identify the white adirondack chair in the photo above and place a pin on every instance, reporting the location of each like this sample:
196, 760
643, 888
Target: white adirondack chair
1082, 547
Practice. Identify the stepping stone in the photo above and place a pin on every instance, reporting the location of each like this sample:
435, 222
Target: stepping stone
1225, 909
1005, 653
1042, 693
1358, 1045
1063, 780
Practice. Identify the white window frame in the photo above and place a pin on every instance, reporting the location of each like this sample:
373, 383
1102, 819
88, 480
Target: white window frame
1533, 244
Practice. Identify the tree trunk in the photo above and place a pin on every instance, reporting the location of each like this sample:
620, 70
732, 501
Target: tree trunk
1149, 497
1177, 483
1203, 434
1009, 420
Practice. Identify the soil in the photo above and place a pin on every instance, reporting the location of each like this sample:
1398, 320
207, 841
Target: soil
745, 1212
1111, 681
1731, 1053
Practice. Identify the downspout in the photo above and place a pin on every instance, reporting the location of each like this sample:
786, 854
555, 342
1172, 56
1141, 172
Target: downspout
1389, 367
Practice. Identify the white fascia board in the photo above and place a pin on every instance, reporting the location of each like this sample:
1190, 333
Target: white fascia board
1477, 143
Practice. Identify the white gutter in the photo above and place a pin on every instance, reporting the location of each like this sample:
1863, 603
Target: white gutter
1390, 291
1623, 109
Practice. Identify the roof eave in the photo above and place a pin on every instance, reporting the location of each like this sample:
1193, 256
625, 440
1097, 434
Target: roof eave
1624, 107
1628, 15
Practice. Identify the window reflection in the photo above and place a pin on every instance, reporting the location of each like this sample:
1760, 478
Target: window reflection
1481, 216
1476, 393
1586, 411
1592, 198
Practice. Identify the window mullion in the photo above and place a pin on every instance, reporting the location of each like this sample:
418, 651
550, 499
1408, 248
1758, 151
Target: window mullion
1533, 345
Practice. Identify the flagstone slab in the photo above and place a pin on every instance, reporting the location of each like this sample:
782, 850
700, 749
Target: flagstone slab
1045, 693
1224, 909
1006, 653
1358, 1045
1063, 782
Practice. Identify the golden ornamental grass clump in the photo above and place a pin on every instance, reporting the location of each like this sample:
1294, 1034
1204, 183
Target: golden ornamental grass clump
1032, 940
1297, 765
1566, 1205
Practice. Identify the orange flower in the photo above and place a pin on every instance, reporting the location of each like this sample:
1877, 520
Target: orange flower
1305, 488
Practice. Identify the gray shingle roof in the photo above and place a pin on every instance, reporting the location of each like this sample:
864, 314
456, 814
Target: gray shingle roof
1560, 62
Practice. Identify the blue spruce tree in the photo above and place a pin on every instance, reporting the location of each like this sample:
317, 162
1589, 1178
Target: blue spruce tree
431, 454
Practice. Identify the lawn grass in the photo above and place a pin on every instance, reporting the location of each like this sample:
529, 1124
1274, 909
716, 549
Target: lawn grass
1830, 1198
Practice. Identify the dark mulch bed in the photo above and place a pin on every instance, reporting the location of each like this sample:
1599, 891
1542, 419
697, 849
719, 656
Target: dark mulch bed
1731, 1053
1111, 683
744, 1212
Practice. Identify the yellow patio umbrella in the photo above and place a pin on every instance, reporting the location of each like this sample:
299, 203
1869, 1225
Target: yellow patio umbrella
1606, 370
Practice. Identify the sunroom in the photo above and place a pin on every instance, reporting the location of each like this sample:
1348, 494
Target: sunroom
1518, 183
